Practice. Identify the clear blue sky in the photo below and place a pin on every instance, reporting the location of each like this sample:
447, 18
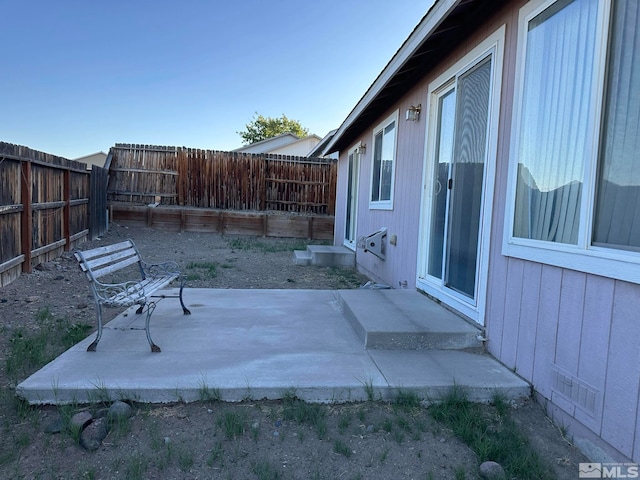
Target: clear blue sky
78, 76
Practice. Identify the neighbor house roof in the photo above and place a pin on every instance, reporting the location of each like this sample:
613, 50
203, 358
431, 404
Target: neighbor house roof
445, 25
268, 144
318, 150
283, 144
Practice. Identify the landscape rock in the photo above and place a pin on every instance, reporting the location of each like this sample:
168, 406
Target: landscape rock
93, 434
492, 471
55, 425
81, 419
119, 411
46, 266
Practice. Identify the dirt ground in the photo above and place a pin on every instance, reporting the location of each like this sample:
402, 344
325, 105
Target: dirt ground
210, 439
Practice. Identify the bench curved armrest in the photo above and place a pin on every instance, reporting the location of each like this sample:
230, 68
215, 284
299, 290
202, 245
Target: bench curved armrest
119, 294
160, 269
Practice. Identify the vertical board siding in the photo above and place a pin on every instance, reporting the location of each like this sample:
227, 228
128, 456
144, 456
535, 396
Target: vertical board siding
623, 375
596, 323
528, 319
190, 177
496, 301
570, 320
547, 329
585, 327
512, 310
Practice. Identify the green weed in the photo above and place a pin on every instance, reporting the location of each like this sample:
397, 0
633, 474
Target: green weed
266, 471
491, 436
347, 277
209, 394
274, 246
344, 422
74, 333
342, 448
28, 352
136, 467
302, 412
406, 400
368, 389
500, 403
216, 455
232, 423
384, 455
185, 459
210, 268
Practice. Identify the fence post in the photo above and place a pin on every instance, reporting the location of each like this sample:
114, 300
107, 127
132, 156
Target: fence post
26, 220
66, 216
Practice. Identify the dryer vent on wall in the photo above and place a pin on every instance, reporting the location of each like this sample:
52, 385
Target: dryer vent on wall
374, 243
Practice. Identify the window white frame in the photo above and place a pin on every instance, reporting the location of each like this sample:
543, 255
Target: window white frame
384, 204
584, 257
474, 309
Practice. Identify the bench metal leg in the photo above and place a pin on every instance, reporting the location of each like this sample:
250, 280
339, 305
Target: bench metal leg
94, 344
185, 310
151, 306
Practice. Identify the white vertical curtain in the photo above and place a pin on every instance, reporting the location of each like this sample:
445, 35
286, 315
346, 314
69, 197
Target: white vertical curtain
554, 122
617, 213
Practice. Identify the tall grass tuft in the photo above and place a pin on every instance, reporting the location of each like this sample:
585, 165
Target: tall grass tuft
492, 436
30, 351
302, 412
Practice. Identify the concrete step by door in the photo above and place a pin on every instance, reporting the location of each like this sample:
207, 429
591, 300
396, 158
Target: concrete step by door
403, 319
325, 255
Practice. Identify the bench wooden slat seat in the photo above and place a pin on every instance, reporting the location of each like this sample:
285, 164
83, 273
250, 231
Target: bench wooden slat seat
112, 260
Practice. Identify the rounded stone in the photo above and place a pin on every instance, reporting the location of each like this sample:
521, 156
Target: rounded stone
119, 411
492, 471
55, 425
81, 419
91, 437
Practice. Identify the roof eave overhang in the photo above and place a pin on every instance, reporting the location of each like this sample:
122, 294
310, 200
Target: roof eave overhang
428, 25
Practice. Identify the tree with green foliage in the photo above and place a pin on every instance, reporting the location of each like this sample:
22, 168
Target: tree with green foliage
261, 127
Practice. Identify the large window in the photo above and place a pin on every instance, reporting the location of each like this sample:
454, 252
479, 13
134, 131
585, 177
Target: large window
575, 177
383, 168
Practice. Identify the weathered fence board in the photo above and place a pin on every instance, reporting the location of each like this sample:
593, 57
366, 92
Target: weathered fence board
97, 206
43, 207
190, 177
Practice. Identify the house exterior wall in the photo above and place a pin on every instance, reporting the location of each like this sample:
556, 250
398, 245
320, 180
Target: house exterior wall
573, 335
98, 159
398, 270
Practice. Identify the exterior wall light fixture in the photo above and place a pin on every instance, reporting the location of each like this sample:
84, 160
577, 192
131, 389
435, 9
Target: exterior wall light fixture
413, 113
362, 148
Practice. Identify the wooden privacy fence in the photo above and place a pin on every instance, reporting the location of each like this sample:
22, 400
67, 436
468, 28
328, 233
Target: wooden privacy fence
45, 207
188, 177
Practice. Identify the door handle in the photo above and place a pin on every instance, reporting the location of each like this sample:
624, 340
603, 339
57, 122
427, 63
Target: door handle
450, 184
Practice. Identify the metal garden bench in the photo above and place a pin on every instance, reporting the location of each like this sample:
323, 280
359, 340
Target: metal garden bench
112, 262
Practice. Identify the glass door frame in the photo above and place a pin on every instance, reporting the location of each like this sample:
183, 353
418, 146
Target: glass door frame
492, 46
351, 204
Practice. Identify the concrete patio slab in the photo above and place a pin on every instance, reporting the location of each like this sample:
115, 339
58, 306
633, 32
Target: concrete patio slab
241, 344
